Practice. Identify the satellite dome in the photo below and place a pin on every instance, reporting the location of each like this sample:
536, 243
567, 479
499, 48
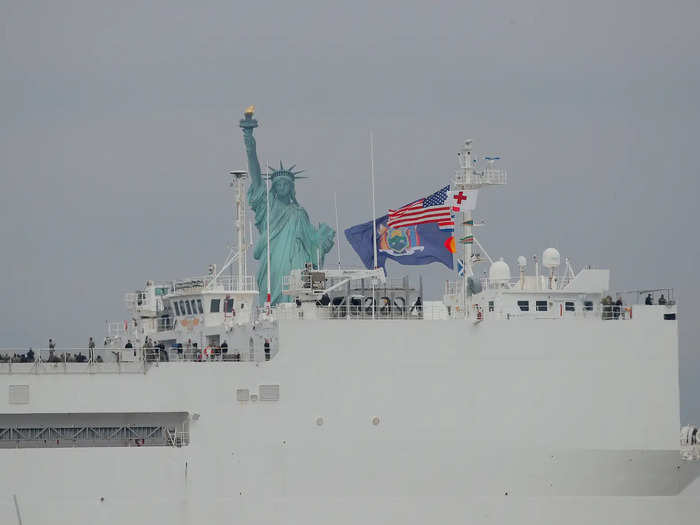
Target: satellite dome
522, 261
551, 258
499, 272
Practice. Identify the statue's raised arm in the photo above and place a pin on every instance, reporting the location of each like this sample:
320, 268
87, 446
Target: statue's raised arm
248, 124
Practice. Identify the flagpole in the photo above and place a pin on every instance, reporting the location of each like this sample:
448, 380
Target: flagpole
267, 218
374, 207
374, 215
337, 229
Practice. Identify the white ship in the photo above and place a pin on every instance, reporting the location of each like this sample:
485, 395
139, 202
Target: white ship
518, 399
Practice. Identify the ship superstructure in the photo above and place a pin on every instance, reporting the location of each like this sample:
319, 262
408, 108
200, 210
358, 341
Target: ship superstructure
532, 396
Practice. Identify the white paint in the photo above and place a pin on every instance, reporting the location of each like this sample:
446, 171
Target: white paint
467, 413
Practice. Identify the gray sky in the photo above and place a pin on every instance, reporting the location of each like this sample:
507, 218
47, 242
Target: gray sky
119, 124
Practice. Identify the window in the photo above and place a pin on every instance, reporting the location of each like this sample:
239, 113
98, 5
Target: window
194, 307
541, 306
199, 306
182, 308
161, 291
524, 306
214, 307
228, 306
491, 306
189, 310
569, 306
177, 308
587, 306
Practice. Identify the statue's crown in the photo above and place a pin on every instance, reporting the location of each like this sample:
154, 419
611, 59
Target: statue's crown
284, 172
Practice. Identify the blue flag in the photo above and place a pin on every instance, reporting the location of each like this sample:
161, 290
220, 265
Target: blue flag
417, 244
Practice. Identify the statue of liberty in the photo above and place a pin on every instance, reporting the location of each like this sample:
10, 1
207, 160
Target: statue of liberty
294, 241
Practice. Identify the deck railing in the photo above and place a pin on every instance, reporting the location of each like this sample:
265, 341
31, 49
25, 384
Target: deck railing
118, 360
71, 361
438, 311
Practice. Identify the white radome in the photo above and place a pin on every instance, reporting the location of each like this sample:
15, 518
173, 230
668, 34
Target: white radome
551, 258
499, 272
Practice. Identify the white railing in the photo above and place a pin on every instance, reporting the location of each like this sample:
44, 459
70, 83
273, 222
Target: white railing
433, 310
489, 176
115, 360
229, 283
361, 312
177, 438
226, 283
199, 355
303, 281
70, 360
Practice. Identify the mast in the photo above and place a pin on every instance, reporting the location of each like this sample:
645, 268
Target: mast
239, 180
468, 178
337, 228
374, 219
374, 210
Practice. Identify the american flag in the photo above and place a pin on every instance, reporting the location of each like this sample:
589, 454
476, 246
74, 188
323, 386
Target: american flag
432, 208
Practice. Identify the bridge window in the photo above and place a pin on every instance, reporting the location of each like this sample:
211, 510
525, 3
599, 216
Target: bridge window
194, 307
189, 310
541, 306
199, 306
214, 306
569, 306
228, 306
177, 308
524, 306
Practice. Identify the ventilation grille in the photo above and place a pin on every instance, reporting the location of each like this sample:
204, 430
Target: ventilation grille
269, 392
242, 394
19, 394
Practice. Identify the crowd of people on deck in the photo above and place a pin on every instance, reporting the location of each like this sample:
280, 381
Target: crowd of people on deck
153, 351
612, 309
650, 300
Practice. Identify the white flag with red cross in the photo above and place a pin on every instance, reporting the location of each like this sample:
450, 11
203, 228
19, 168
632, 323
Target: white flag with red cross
462, 200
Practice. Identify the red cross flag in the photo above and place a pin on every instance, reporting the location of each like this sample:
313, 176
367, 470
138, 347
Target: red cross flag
462, 200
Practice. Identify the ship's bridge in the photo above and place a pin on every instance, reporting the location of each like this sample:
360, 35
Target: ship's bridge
163, 309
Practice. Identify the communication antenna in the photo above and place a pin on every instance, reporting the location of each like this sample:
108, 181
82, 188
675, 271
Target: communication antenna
337, 237
239, 178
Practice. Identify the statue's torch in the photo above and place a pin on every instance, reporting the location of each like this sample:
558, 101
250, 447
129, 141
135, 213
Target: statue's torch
248, 122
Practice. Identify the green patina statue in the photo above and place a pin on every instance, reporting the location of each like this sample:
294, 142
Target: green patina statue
294, 241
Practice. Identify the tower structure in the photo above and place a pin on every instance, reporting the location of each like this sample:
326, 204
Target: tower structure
469, 177
239, 179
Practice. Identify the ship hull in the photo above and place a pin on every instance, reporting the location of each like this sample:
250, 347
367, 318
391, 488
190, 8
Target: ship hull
382, 422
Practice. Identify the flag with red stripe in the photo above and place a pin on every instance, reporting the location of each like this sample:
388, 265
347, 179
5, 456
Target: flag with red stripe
434, 208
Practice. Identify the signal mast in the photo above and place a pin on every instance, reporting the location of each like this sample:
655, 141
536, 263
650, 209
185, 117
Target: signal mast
467, 178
